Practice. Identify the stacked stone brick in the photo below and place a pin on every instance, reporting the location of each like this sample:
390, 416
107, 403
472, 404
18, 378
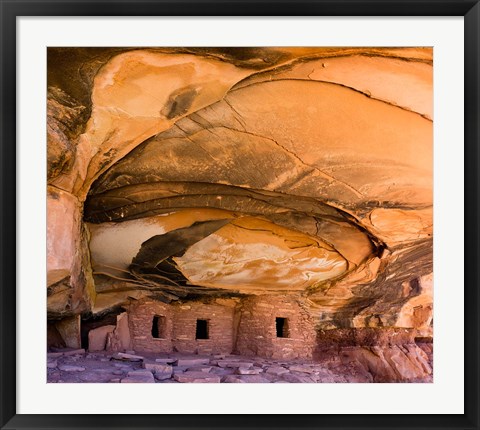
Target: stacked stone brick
257, 331
246, 327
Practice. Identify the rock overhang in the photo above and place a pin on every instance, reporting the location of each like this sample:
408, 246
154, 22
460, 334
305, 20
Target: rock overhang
333, 146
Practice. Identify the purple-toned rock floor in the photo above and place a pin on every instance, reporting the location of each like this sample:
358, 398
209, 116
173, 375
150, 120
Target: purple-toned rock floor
78, 366
180, 368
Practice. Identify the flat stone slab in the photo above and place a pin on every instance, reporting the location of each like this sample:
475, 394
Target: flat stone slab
52, 364
162, 376
232, 379
276, 370
70, 368
246, 371
248, 379
300, 368
80, 351
65, 352
140, 372
139, 377
290, 377
138, 380
126, 357
234, 364
190, 362
327, 380
222, 371
95, 377
255, 379
102, 370
54, 354
158, 367
198, 377
205, 369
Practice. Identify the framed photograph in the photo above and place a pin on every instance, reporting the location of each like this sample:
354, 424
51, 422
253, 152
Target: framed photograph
239, 215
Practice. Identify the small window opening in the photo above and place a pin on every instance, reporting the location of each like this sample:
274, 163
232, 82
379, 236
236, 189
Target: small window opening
159, 327
281, 325
202, 329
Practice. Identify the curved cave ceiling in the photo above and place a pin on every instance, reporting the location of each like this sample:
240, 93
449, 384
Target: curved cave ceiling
275, 170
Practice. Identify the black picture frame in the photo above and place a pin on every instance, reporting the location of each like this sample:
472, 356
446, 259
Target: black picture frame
10, 10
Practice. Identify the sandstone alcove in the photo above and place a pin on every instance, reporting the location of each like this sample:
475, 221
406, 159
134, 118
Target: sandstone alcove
260, 202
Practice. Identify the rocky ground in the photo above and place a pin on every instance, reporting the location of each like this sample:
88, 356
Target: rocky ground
78, 366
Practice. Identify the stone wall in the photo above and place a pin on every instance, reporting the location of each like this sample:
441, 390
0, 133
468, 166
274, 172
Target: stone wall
140, 318
257, 332
249, 328
279, 327
220, 328
181, 327
364, 336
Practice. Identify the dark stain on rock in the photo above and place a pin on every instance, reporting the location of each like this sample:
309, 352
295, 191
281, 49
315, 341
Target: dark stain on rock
174, 243
415, 288
57, 164
110, 153
65, 120
59, 287
179, 102
247, 57
384, 295
53, 195
107, 158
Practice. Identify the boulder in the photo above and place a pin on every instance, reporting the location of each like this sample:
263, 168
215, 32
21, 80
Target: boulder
157, 367
276, 370
97, 338
159, 376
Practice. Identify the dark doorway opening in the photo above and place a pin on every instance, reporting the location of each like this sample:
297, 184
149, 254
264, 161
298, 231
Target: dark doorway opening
281, 325
159, 327
54, 338
202, 329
